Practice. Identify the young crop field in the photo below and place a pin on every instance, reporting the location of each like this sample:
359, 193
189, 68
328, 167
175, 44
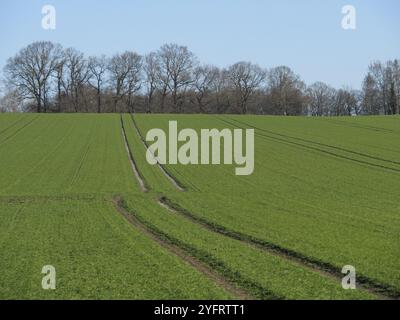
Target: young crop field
77, 193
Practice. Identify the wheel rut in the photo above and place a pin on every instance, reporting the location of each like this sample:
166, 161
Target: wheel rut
139, 177
323, 268
178, 185
182, 254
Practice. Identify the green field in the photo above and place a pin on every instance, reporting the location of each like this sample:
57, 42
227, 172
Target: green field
324, 194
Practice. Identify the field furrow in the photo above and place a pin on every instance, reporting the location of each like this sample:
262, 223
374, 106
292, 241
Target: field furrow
324, 194
332, 213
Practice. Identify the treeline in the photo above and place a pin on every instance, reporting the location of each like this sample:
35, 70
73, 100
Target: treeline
44, 77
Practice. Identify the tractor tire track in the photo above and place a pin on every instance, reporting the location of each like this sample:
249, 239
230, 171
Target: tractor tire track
322, 144
307, 147
78, 170
81, 161
18, 130
139, 177
327, 269
361, 126
171, 245
21, 119
187, 253
177, 184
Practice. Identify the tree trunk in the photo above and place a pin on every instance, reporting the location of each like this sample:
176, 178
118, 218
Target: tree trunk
98, 100
149, 101
39, 105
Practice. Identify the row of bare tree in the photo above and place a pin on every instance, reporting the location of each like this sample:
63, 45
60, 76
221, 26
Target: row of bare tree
44, 77
381, 88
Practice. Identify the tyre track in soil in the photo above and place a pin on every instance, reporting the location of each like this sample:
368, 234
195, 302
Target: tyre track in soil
382, 291
178, 185
172, 248
18, 130
180, 253
361, 154
307, 147
226, 278
361, 126
323, 268
10, 126
139, 177
81, 160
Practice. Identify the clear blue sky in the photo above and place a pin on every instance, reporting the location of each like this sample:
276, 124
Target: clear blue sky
305, 35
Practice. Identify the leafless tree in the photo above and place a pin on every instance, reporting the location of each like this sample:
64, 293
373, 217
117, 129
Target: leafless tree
176, 65
11, 101
245, 78
370, 95
396, 80
221, 89
97, 71
204, 80
392, 80
29, 72
77, 74
346, 102
321, 98
378, 72
386, 79
152, 72
44, 78
125, 77
286, 91
59, 77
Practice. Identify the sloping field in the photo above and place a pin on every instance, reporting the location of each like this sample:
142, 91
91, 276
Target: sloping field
323, 200
52, 212
76, 192
97, 255
67, 154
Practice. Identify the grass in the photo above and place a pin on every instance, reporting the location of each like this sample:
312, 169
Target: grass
64, 154
324, 194
264, 274
329, 209
95, 253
